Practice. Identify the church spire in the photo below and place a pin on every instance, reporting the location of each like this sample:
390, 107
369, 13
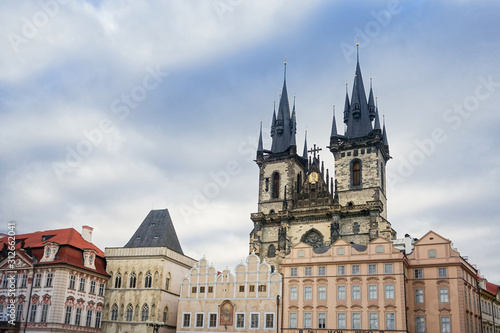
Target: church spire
358, 121
371, 102
260, 147
347, 105
334, 124
376, 126
294, 126
283, 124
304, 154
384, 135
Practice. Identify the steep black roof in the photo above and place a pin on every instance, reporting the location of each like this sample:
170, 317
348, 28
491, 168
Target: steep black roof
157, 229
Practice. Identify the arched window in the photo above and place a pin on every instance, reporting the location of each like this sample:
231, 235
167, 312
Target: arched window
114, 312
382, 177
118, 280
356, 173
165, 315
130, 312
133, 280
148, 280
145, 313
167, 282
299, 182
271, 251
276, 185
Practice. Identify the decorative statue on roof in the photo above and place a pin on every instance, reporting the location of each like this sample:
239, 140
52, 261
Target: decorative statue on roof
334, 232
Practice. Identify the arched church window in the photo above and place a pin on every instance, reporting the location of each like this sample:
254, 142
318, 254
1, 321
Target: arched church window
148, 280
130, 312
276, 185
145, 313
167, 282
356, 173
133, 280
114, 312
271, 251
165, 315
118, 280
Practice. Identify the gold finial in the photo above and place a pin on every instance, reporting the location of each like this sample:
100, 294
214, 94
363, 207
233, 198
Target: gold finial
285, 60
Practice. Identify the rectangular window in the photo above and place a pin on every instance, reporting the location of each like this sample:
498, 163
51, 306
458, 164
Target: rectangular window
262, 287
88, 322
293, 271
211, 289
193, 290
212, 322
202, 290
72, 280
340, 251
48, 283
432, 253
373, 320
251, 288
242, 289
372, 269
341, 320
388, 269
379, 249
419, 296
372, 291
67, 318
186, 320
340, 292
389, 291
322, 271
38, 280
443, 295
420, 324
308, 319
321, 293
308, 293
101, 289
45, 312
24, 280
98, 315
355, 270
269, 320
390, 321
32, 313
356, 292
293, 293
442, 272
199, 320
254, 320
356, 320
19, 312
445, 325
341, 270
308, 271
78, 316
292, 320
240, 320
82, 284
321, 320
92, 287
419, 274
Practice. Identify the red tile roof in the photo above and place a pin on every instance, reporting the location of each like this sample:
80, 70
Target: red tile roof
491, 288
71, 244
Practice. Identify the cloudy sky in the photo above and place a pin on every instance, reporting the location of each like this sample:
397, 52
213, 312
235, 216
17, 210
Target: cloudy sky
109, 109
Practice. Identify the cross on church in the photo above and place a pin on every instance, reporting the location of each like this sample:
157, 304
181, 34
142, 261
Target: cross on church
314, 150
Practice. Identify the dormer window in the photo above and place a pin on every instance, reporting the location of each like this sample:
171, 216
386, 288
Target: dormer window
50, 251
89, 258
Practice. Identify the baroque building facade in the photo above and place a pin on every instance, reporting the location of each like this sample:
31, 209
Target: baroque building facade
243, 301
298, 200
145, 278
52, 281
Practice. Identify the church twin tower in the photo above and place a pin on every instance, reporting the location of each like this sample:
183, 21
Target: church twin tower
299, 202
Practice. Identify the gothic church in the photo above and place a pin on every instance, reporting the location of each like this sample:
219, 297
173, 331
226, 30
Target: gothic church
299, 202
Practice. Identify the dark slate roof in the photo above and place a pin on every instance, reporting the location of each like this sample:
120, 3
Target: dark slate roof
321, 250
359, 247
157, 229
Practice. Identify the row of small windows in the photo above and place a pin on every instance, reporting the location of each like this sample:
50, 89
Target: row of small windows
342, 270
490, 309
372, 292
143, 312
13, 280
241, 289
418, 273
240, 318
78, 318
34, 314
82, 284
134, 283
342, 321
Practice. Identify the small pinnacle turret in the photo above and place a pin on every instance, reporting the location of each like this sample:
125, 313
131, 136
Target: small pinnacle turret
304, 154
334, 124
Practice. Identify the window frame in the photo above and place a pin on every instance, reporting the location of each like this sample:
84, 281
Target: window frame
238, 316
186, 318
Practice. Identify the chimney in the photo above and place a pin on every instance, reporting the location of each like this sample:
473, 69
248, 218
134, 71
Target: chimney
87, 233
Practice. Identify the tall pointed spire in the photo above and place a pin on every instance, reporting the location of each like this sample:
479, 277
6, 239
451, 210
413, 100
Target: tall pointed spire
294, 126
358, 121
260, 146
371, 102
283, 135
334, 124
304, 154
347, 105
384, 135
377, 120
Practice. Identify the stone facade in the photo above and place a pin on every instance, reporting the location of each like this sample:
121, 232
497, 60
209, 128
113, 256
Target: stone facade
490, 306
144, 286
243, 301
